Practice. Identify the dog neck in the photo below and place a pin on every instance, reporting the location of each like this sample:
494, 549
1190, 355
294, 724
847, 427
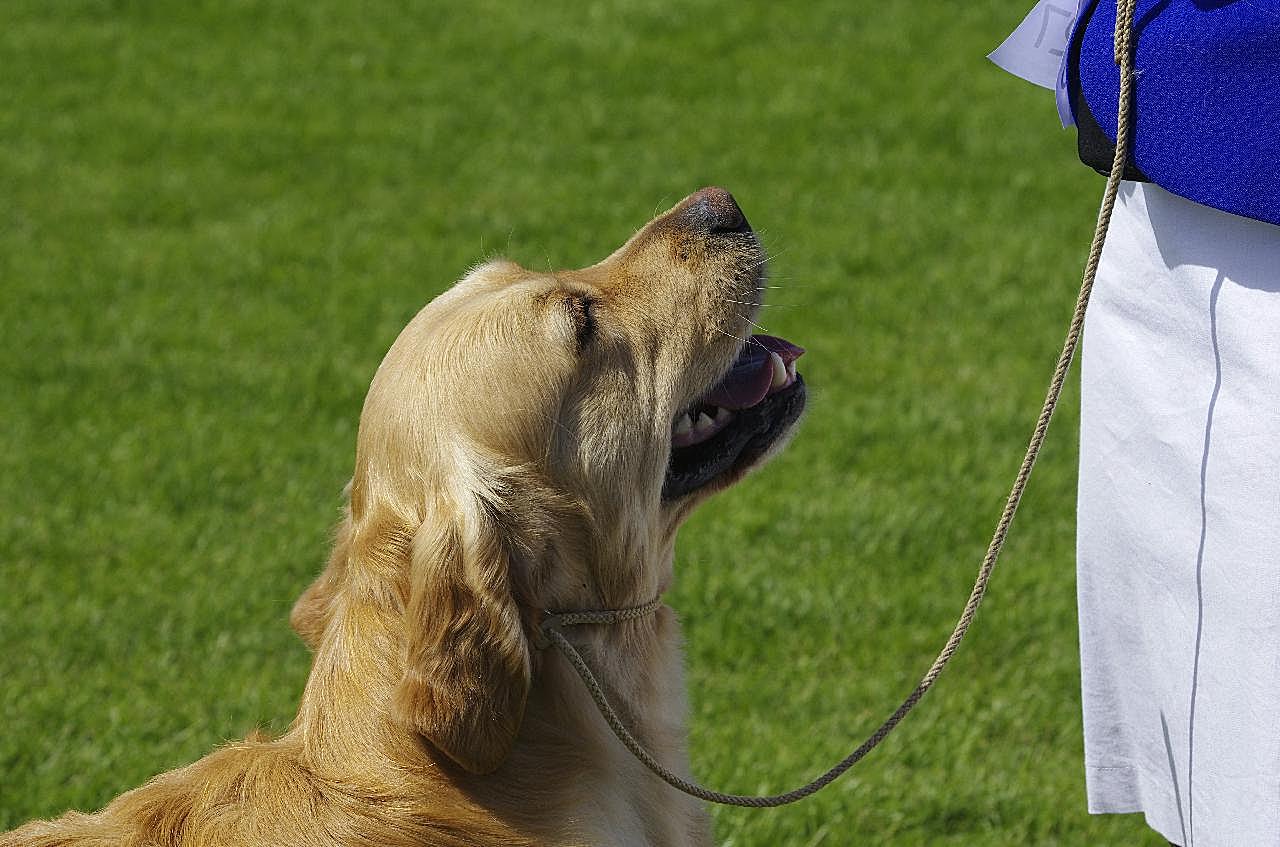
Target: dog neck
566, 742
350, 733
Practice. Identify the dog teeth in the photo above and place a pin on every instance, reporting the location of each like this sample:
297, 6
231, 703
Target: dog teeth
723, 415
704, 424
683, 426
779, 370
791, 371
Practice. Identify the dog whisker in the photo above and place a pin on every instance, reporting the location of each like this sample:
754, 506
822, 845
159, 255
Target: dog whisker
736, 338
768, 257
761, 305
746, 342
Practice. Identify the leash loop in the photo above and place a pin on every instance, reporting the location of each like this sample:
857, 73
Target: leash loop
551, 626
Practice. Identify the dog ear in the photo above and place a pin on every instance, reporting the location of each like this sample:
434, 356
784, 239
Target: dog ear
313, 610
467, 660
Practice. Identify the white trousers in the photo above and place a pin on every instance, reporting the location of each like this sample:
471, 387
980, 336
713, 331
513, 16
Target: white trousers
1178, 545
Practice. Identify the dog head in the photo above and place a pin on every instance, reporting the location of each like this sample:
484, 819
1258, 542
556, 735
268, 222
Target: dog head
533, 441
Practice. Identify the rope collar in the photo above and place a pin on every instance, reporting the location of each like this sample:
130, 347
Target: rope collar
553, 622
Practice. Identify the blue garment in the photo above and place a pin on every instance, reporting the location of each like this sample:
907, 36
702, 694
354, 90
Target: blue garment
1208, 98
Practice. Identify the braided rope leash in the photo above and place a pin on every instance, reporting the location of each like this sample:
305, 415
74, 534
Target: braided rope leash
552, 625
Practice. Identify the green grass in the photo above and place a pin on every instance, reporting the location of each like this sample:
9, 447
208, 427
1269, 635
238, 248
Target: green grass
214, 218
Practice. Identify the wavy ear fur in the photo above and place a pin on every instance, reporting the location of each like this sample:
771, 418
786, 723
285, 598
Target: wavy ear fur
314, 609
467, 668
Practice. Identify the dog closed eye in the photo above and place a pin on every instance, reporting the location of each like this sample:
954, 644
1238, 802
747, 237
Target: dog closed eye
581, 311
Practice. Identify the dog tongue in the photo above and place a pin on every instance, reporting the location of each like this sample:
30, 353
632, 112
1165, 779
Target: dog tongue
748, 381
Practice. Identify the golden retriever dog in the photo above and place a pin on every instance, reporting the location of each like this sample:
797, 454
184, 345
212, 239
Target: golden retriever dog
531, 443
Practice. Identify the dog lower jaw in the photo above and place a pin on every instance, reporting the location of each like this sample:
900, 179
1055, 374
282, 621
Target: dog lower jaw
742, 445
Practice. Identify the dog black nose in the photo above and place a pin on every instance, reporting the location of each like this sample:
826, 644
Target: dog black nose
715, 210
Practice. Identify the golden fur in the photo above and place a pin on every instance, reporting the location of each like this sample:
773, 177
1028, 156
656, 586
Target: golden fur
502, 467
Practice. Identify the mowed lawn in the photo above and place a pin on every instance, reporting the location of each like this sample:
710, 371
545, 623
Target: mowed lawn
214, 219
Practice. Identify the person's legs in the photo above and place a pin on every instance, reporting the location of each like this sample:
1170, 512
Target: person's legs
1144, 343
1177, 537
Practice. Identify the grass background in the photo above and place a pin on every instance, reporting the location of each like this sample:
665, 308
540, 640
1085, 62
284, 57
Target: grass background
215, 217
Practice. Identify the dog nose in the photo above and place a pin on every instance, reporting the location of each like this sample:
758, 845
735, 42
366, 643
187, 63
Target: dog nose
715, 210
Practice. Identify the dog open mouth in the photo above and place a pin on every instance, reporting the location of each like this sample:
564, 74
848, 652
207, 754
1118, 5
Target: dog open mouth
735, 423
